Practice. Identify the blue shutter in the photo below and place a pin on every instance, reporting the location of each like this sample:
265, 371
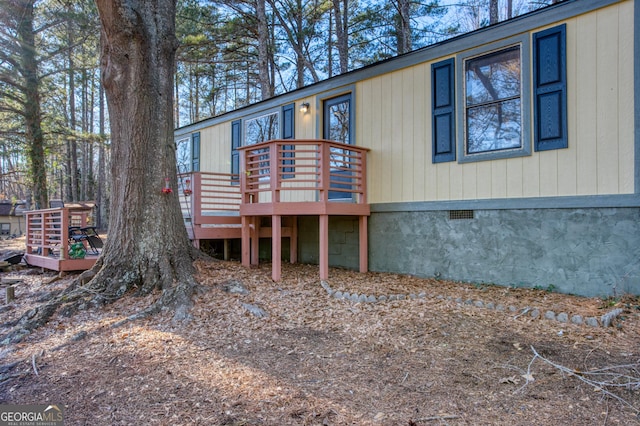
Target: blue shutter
288, 132
550, 89
288, 121
443, 111
235, 144
195, 152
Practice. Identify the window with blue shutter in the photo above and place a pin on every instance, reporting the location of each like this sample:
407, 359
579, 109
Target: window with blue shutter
288, 132
235, 144
550, 89
195, 152
443, 111
493, 100
183, 155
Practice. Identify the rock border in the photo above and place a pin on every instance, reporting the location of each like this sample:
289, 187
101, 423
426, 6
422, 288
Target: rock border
535, 313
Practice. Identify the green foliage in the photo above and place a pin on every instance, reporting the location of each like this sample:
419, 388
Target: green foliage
549, 289
65, 51
609, 301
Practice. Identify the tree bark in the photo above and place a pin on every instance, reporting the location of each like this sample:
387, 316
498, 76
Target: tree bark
101, 188
32, 111
264, 76
341, 13
72, 144
405, 43
494, 18
147, 247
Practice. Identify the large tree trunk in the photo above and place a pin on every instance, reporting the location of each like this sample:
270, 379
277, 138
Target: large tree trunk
72, 144
32, 113
101, 196
147, 247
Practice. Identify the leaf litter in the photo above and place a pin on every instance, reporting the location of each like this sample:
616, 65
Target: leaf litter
312, 359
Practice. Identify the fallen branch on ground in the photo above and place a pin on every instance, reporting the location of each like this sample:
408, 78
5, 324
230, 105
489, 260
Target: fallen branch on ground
620, 376
437, 418
33, 364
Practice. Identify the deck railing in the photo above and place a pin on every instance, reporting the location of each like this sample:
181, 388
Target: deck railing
297, 170
208, 194
48, 230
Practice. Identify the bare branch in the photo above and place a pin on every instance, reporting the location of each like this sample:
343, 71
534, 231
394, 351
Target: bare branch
601, 379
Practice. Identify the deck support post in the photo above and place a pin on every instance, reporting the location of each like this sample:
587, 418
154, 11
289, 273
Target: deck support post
10, 294
276, 247
246, 241
363, 244
255, 240
226, 249
324, 247
293, 243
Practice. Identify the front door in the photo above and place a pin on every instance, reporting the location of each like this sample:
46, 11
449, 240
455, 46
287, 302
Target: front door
337, 119
337, 127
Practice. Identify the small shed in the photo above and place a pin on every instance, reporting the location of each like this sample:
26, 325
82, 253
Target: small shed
11, 219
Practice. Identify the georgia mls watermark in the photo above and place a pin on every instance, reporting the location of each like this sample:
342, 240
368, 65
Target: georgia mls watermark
31, 415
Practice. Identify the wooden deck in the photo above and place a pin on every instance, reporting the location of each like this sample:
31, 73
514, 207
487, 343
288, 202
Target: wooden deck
210, 204
279, 180
48, 239
302, 177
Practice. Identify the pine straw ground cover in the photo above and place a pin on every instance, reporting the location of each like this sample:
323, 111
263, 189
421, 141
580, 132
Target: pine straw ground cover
317, 360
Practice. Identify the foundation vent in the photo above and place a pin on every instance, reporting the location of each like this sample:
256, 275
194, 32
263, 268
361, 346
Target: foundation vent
460, 214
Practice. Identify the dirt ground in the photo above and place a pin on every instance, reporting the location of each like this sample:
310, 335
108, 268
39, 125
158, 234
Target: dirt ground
312, 359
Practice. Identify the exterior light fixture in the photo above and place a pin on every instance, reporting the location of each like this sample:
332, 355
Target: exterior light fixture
304, 107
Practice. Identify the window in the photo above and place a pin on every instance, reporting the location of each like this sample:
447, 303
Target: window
494, 103
5, 228
263, 128
188, 154
337, 119
183, 155
337, 126
274, 124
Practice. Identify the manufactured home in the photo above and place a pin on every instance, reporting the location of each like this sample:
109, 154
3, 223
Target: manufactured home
509, 155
